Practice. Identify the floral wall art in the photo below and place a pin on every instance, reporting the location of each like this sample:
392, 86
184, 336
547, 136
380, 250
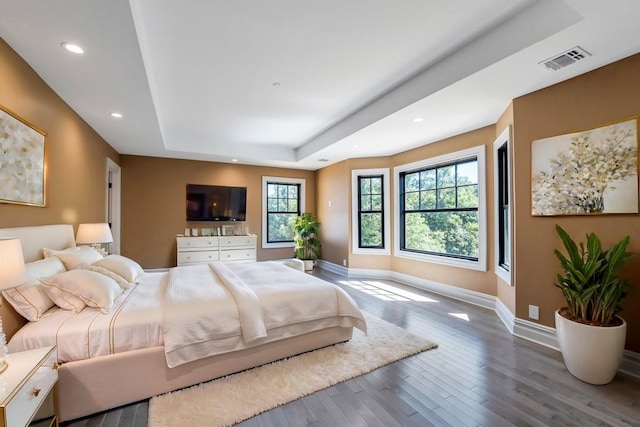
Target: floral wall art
589, 172
21, 161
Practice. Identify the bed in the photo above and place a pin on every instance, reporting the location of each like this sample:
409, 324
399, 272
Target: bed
95, 383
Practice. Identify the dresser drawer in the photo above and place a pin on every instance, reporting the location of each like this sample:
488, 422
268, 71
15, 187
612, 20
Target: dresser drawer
32, 393
238, 255
197, 243
197, 257
237, 241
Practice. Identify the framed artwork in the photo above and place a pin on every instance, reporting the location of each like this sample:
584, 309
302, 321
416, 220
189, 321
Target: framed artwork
22, 169
590, 172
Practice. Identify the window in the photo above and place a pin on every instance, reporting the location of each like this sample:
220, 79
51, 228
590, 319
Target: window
371, 211
283, 199
441, 211
502, 191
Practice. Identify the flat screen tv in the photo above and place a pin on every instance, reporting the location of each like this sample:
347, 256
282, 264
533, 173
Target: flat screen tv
216, 203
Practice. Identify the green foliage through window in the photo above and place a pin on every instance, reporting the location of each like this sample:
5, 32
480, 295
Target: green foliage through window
439, 210
283, 207
370, 212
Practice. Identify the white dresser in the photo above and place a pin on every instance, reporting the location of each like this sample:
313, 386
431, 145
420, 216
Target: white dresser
200, 250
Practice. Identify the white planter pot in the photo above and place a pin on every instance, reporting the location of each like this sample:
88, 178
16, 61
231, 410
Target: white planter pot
308, 264
592, 353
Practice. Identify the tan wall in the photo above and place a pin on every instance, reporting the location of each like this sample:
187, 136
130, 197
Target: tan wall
333, 204
506, 293
600, 97
75, 155
479, 281
154, 197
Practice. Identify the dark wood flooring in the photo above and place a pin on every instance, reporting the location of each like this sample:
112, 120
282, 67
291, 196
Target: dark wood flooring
479, 375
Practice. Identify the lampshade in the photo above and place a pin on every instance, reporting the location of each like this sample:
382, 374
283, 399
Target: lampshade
12, 271
94, 233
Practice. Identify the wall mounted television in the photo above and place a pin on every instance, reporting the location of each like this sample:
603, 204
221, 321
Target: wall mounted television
216, 203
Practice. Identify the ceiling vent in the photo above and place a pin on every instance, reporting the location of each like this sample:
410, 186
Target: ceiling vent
567, 58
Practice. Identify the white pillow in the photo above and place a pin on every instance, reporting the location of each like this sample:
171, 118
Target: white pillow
121, 281
123, 266
83, 255
30, 300
48, 253
93, 289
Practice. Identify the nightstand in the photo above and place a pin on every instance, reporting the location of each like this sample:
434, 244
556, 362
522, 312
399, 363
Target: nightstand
27, 388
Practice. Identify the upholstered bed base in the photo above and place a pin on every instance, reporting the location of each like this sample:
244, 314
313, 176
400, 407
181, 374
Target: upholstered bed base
93, 385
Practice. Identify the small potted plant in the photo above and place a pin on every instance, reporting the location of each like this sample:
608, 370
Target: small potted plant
306, 229
590, 334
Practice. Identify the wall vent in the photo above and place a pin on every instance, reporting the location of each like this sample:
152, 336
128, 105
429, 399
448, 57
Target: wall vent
567, 58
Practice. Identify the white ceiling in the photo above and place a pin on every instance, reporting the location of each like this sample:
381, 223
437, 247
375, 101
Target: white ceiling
195, 79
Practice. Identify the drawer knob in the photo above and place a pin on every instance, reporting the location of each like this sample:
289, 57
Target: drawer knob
35, 392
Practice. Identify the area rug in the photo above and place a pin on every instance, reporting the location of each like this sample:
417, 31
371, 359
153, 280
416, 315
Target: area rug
234, 398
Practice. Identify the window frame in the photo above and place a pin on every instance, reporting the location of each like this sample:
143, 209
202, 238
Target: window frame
386, 206
503, 140
265, 218
481, 263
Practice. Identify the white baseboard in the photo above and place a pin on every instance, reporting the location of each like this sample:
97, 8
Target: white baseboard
531, 331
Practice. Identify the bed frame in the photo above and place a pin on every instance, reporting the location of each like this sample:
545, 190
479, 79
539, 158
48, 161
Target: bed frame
93, 385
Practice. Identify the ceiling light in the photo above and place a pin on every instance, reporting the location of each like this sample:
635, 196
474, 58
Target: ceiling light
355, 145
73, 48
234, 160
276, 84
418, 120
116, 115
323, 160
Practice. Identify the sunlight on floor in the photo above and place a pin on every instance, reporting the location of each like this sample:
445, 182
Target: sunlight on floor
384, 291
463, 316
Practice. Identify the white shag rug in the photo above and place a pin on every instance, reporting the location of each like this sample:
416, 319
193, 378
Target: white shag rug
234, 398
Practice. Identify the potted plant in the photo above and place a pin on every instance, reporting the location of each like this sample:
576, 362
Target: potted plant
590, 334
306, 229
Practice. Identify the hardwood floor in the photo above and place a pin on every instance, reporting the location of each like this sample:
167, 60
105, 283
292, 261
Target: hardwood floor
479, 375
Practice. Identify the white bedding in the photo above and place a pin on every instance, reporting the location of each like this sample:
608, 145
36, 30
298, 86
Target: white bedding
254, 303
293, 303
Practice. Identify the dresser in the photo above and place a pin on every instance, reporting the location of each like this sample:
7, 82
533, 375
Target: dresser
27, 392
200, 250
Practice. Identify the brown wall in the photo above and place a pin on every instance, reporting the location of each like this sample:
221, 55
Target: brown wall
154, 197
333, 184
75, 155
600, 97
479, 281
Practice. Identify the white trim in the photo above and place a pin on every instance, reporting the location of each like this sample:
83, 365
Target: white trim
507, 317
530, 331
502, 139
265, 180
386, 206
114, 215
481, 263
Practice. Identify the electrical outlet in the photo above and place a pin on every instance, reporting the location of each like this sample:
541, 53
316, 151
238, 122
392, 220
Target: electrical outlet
534, 312
344, 262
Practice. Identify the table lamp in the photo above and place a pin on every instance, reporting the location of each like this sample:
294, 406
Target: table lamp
12, 274
95, 235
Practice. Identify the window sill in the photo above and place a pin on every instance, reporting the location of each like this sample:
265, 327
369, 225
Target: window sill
479, 265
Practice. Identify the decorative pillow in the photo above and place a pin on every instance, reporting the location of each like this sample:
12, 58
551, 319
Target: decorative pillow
91, 288
121, 281
83, 255
30, 300
123, 266
48, 253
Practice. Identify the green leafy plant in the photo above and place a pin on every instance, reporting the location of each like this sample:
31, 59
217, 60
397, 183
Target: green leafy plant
590, 283
306, 230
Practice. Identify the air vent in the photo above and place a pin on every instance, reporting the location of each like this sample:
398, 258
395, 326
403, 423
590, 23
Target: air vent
564, 59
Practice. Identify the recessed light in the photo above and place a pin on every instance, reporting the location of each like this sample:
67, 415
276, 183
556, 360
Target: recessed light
234, 160
276, 84
115, 115
323, 160
72, 47
355, 145
418, 120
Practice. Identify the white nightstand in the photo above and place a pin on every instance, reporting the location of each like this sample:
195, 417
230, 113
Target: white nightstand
27, 388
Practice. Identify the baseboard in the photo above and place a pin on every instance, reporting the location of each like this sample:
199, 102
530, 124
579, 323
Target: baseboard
530, 331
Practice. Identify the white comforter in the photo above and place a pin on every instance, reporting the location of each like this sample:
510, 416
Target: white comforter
291, 303
216, 308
